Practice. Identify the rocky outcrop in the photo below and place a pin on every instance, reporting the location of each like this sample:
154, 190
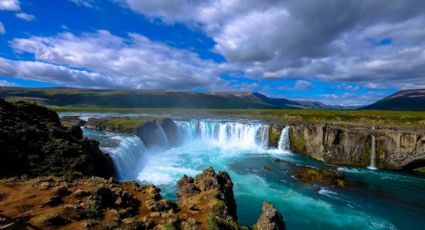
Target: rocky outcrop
203, 202
396, 148
98, 124
159, 134
70, 121
270, 219
309, 175
34, 143
323, 177
209, 196
118, 124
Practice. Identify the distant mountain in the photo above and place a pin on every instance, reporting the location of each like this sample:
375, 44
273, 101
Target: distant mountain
406, 100
149, 98
313, 104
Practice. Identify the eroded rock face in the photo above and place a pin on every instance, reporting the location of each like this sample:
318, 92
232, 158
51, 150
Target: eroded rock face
34, 143
402, 148
70, 121
270, 219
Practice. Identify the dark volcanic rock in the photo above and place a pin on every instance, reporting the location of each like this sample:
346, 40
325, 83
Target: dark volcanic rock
270, 219
34, 143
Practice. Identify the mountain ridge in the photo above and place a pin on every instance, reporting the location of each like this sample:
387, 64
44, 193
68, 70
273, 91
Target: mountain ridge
134, 98
404, 100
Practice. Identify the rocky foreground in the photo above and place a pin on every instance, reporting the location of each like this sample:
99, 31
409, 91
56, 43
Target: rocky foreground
203, 202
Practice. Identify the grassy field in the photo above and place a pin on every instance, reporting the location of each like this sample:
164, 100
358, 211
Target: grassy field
346, 117
121, 124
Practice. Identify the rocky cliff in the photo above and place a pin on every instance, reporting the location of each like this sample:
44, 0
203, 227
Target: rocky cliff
159, 133
204, 202
35, 143
396, 148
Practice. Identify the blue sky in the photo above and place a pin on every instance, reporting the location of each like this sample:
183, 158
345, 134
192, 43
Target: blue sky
337, 53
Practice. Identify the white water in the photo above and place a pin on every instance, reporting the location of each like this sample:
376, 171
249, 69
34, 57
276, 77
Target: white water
284, 140
126, 151
373, 154
227, 134
127, 155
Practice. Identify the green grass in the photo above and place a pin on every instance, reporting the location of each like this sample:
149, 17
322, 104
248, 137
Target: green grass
340, 117
126, 124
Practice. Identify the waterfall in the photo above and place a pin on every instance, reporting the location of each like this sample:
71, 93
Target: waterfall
126, 151
225, 133
284, 140
373, 154
127, 155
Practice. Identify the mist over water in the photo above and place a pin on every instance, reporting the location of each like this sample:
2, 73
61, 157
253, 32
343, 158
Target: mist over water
374, 200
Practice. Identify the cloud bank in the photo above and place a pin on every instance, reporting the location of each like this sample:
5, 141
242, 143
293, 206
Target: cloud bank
329, 40
102, 59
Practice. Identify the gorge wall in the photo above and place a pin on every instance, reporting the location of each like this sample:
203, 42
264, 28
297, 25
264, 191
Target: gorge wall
395, 148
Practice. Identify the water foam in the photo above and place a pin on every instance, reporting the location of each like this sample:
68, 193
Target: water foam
284, 140
226, 134
127, 155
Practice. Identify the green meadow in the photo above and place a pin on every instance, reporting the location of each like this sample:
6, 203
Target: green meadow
341, 117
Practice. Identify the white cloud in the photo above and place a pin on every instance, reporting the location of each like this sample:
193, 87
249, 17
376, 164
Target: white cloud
12, 5
85, 3
330, 40
133, 62
6, 83
302, 85
2, 29
25, 16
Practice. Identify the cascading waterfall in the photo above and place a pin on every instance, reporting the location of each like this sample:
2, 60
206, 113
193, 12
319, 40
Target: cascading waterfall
128, 153
226, 133
373, 153
284, 140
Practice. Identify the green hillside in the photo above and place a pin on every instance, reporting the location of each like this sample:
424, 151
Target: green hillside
144, 98
406, 100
